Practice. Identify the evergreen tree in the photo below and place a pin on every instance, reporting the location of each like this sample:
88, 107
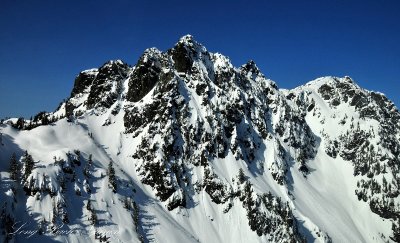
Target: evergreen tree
127, 203
42, 226
55, 214
45, 120
30, 126
65, 219
86, 170
77, 159
14, 168
61, 181
89, 205
20, 123
135, 215
112, 183
28, 165
135, 218
242, 177
247, 197
90, 160
93, 217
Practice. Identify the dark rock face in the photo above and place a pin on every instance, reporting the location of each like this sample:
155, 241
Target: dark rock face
69, 109
146, 74
109, 75
185, 52
182, 58
82, 84
83, 81
250, 68
102, 87
326, 91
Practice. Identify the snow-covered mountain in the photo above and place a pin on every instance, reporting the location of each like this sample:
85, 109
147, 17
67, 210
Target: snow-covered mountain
185, 147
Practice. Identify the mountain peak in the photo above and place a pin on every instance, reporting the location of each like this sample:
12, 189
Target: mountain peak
188, 40
251, 66
113, 63
250, 69
152, 50
185, 52
190, 43
183, 136
331, 80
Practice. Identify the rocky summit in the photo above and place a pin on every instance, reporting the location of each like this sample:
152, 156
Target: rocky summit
185, 147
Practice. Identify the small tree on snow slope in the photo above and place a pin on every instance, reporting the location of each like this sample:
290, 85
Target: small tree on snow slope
112, 182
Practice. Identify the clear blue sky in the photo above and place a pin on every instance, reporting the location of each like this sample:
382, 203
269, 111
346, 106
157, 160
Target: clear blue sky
45, 44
